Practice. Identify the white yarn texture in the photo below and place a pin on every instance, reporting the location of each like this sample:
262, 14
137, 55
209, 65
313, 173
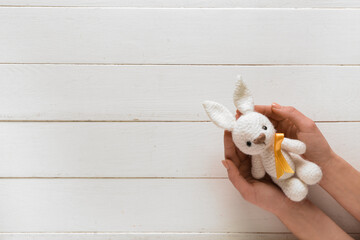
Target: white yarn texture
253, 134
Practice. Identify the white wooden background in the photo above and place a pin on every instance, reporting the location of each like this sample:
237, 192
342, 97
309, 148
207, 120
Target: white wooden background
102, 132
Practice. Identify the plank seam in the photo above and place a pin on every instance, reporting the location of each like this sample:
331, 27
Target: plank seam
144, 121
184, 8
80, 232
185, 64
113, 178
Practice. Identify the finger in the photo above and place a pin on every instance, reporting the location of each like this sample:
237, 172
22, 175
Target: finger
287, 112
283, 125
263, 109
267, 111
274, 122
292, 132
236, 179
230, 148
238, 114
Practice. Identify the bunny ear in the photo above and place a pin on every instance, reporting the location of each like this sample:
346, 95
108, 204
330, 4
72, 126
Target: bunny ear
242, 97
219, 115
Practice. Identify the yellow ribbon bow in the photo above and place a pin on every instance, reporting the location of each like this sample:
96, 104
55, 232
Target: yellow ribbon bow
280, 162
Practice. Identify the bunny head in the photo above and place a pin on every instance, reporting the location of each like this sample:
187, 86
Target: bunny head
253, 132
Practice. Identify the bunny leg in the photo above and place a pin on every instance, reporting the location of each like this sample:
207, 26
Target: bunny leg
293, 188
257, 168
307, 171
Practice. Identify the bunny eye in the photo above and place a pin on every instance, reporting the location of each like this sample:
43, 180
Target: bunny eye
248, 143
264, 127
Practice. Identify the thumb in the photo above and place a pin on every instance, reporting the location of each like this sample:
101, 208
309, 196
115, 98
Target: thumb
288, 112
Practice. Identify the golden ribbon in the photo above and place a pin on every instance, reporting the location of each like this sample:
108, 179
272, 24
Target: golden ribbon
280, 162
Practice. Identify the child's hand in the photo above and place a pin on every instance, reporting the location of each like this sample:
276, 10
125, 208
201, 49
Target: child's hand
295, 125
263, 192
304, 219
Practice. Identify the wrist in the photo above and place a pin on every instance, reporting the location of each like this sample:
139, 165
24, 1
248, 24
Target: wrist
289, 208
332, 168
306, 221
332, 159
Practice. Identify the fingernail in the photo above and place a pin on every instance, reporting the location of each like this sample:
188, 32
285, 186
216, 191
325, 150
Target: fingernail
226, 165
276, 106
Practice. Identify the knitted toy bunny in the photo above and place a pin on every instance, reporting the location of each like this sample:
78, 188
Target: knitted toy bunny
254, 134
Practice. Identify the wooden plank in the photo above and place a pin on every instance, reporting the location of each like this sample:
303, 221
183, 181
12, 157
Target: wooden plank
149, 236
140, 205
187, 3
152, 236
175, 93
192, 149
179, 36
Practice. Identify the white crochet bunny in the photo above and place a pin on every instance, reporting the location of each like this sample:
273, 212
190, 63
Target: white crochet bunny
254, 134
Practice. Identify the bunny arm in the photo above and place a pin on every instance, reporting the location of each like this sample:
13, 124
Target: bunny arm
257, 168
293, 145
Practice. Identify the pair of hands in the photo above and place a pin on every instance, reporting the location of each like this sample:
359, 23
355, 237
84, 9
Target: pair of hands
293, 124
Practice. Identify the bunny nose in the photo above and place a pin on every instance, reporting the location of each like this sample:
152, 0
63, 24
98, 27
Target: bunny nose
260, 139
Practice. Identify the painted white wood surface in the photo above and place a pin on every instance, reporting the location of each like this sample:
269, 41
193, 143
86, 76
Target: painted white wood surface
141, 205
178, 149
137, 61
179, 36
151, 236
189, 3
88, 92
